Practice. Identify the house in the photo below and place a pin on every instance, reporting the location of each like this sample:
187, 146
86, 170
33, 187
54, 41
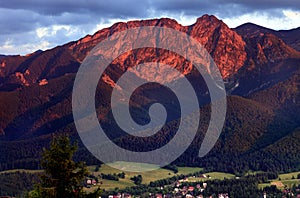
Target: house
126, 195
115, 196
158, 196
88, 181
191, 188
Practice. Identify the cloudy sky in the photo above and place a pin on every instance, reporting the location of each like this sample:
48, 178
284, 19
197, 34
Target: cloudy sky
29, 25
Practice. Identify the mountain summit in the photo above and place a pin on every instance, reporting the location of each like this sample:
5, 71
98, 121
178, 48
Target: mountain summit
260, 68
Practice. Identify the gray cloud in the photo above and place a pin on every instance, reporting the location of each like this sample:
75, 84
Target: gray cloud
57, 7
12, 22
265, 4
26, 15
219, 5
19, 19
138, 8
224, 8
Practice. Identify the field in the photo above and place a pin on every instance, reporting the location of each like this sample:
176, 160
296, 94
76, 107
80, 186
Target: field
287, 176
213, 175
286, 179
147, 176
21, 170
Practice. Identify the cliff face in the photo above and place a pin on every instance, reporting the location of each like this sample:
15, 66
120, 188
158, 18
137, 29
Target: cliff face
230, 51
226, 47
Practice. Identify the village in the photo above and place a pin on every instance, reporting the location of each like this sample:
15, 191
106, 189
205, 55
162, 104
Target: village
179, 189
194, 186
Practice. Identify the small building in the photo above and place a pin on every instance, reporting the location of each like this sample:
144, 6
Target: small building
191, 188
114, 196
126, 195
89, 182
159, 196
94, 182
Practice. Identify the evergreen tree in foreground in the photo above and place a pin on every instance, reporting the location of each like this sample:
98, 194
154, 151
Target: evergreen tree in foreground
62, 176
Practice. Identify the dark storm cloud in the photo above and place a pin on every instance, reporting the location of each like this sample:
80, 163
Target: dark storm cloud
20, 19
266, 4
16, 22
138, 8
57, 7
224, 8
26, 15
218, 5
23, 16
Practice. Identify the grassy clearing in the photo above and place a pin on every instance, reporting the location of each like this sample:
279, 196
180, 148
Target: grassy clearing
285, 180
147, 176
212, 175
151, 176
220, 175
21, 170
288, 176
291, 182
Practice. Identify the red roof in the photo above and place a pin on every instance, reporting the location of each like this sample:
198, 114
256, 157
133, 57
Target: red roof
191, 188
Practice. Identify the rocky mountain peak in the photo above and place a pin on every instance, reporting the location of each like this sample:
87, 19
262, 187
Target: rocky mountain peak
225, 45
259, 65
267, 47
290, 37
207, 19
231, 49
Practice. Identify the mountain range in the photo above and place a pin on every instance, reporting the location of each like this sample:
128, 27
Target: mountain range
260, 68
